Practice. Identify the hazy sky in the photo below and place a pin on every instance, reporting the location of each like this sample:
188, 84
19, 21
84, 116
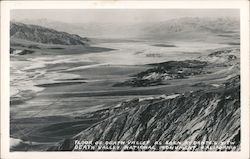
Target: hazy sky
117, 15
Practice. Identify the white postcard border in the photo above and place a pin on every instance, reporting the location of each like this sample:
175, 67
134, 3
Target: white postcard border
6, 6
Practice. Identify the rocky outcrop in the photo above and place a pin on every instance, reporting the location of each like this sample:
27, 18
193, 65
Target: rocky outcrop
162, 73
165, 71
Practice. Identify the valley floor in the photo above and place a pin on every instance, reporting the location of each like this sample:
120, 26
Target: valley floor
51, 94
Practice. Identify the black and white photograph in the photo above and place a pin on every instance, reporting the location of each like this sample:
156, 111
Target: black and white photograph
95, 80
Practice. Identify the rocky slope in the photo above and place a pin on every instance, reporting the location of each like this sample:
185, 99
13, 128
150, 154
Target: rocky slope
212, 115
44, 35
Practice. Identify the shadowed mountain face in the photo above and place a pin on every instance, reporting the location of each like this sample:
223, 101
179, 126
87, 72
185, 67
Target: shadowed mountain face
197, 116
44, 35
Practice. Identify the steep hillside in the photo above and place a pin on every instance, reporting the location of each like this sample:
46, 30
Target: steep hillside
44, 35
195, 116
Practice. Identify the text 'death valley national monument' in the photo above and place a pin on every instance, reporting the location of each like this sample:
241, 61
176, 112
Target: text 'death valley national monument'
125, 80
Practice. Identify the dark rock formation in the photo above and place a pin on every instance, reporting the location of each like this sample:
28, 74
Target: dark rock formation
165, 71
20, 52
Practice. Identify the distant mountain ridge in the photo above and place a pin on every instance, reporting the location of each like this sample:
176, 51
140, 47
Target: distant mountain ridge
179, 28
44, 35
188, 28
223, 24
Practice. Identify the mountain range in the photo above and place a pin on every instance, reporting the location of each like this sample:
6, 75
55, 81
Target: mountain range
39, 34
181, 28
